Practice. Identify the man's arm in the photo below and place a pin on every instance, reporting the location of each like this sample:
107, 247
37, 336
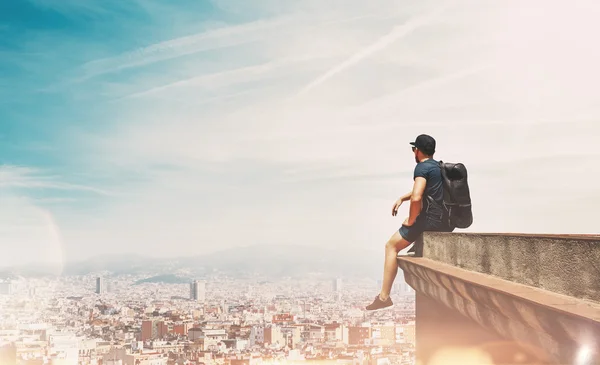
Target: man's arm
406, 197
415, 200
399, 202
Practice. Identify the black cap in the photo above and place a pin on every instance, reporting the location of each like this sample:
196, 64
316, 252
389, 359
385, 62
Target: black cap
425, 144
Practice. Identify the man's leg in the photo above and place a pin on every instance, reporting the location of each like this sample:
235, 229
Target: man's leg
395, 244
390, 268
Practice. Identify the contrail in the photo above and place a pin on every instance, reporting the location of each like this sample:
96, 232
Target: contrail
231, 76
182, 46
229, 36
396, 33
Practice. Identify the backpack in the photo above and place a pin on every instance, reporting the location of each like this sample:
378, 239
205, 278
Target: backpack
457, 199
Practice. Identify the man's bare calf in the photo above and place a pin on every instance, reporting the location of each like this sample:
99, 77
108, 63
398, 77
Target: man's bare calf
390, 269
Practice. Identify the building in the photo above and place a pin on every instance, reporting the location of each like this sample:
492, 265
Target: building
336, 332
283, 318
100, 285
384, 335
122, 356
337, 285
208, 339
64, 348
150, 330
181, 329
164, 329
337, 289
292, 336
316, 333
359, 336
257, 336
408, 332
198, 291
273, 336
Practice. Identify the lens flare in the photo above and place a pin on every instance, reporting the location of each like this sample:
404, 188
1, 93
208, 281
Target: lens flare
583, 355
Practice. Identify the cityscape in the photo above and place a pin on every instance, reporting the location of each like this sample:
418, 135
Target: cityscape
104, 319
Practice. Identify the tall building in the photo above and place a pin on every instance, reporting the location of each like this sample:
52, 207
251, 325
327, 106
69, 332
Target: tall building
100, 285
337, 288
337, 285
198, 291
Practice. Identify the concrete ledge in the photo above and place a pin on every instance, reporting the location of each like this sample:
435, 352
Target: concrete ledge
557, 324
565, 264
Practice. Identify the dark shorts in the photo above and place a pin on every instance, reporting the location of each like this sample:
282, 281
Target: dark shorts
422, 224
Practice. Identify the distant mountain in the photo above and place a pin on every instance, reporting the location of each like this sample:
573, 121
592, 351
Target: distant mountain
165, 279
282, 260
265, 260
116, 264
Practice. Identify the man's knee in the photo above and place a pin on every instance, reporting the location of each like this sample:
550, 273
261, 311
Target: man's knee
397, 242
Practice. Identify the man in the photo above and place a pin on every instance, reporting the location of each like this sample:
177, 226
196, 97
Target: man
426, 213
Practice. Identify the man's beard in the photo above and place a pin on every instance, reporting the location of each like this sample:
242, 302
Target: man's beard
416, 159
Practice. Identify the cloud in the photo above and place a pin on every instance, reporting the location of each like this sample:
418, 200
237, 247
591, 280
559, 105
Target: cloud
235, 76
397, 33
221, 37
324, 137
30, 178
208, 146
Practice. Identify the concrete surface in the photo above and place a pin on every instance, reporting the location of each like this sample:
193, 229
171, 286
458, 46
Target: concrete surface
525, 289
565, 264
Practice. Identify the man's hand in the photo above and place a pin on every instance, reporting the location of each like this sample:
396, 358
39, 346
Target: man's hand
407, 223
397, 205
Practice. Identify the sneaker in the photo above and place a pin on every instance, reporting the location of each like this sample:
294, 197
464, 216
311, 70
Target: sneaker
380, 304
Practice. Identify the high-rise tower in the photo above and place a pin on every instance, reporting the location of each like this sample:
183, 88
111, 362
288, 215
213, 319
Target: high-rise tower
100, 286
198, 290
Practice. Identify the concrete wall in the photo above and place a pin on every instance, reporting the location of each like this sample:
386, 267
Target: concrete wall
567, 265
524, 289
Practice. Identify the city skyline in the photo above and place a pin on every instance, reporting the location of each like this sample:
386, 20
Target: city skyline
65, 321
173, 130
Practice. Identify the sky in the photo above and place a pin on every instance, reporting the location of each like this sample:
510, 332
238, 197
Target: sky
179, 128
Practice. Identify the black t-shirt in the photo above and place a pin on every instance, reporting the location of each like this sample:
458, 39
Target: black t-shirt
430, 170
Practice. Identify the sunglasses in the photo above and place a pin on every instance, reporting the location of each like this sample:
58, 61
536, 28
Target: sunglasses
414, 148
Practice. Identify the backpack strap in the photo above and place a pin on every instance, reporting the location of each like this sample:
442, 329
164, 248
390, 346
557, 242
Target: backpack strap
447, 190
446, 182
